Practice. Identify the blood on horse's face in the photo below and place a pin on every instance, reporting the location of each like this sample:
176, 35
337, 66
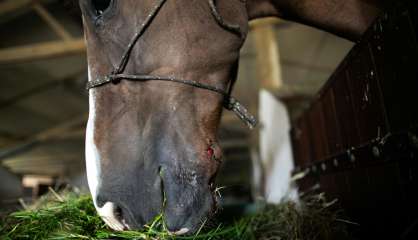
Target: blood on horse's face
151, 147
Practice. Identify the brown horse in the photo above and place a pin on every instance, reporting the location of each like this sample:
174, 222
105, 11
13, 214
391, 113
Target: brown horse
151, 145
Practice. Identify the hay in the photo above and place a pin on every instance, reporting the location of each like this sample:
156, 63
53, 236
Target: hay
72, 216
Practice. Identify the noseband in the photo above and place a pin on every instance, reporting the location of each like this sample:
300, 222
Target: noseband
117, 74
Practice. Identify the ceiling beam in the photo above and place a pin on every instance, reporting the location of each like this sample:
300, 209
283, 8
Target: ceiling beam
40, 89
50, 170
10, 6
11, 9
41, 160
39, 51
61, 128
43, 136
9, 136
52, 22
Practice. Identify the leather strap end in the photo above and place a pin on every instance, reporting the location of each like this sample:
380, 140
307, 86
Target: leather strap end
241, 112
98, 82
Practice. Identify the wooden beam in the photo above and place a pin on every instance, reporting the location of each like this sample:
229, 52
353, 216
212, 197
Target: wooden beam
75, 134
42, 160
39, 90
43, 136
9, 6
51, 170
40, 51
268, 58
18, 148
61, 128
52, 22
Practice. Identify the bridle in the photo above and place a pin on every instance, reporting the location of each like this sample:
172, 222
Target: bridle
117, 74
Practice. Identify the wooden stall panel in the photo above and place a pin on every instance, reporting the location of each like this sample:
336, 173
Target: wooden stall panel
317, 132
374, 200
336, 187
366, 95
412, 6
332, 131
373, 94
388, 207
395, 55
345, 113
408, 176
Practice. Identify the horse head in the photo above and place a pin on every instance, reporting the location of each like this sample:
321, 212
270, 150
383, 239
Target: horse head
151, 147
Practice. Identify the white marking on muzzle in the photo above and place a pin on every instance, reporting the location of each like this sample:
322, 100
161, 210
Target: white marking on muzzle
92, 155
107, 212
181, 231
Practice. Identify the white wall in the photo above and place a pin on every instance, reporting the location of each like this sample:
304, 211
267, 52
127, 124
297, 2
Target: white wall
275, 149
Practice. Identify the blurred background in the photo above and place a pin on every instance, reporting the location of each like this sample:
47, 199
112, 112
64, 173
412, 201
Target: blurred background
44, 107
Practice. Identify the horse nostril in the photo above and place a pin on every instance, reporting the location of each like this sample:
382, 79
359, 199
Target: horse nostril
118, 212
112, 215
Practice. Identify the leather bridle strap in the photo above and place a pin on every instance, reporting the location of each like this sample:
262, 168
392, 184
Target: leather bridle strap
142, 78
117, 75
142, 28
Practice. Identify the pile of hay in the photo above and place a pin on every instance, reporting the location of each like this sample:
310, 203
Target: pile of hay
72, 216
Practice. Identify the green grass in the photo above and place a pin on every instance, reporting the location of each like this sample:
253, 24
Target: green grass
72, 216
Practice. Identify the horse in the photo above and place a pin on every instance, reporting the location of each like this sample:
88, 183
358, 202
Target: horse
160, 73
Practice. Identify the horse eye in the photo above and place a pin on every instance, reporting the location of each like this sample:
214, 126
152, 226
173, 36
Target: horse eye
100, 6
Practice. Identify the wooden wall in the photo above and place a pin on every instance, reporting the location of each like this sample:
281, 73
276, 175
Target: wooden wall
358, 138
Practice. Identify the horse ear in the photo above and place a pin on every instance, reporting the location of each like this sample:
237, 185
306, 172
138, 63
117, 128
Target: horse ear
261, 8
